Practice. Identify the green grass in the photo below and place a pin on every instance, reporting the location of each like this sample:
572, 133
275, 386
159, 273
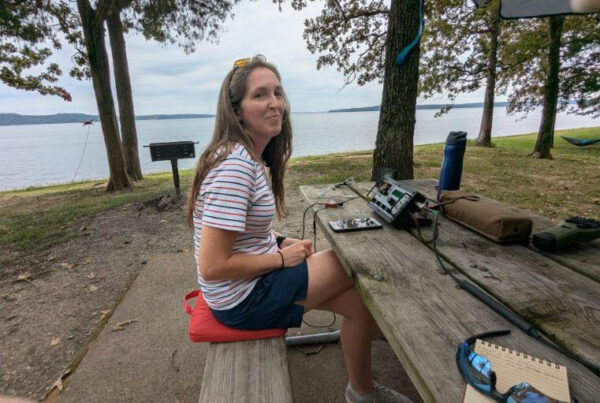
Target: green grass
331, 168
565, 186
42, 217
568, 185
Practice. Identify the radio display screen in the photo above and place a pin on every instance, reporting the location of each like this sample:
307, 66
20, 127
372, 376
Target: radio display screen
398, 194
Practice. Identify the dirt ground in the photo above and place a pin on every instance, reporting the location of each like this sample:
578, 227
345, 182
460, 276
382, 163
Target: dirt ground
54, 302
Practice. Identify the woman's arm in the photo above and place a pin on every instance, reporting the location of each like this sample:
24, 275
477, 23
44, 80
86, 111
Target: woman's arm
217, 262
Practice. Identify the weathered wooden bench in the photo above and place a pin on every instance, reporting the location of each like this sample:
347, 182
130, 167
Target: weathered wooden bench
247, 371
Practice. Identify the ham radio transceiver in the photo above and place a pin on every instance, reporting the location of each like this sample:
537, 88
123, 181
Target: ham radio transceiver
396, 203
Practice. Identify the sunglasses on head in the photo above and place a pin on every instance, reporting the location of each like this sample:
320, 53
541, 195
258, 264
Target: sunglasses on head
477, 370
241, 62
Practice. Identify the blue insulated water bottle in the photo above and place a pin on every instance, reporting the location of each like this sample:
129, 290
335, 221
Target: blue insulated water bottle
452, 164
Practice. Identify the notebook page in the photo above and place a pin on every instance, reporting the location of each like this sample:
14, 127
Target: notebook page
513, 367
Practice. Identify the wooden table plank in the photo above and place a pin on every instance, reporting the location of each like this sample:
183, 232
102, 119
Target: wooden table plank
421, 312
582, 258
247, 371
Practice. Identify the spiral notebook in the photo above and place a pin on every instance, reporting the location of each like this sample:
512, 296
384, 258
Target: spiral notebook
513, 367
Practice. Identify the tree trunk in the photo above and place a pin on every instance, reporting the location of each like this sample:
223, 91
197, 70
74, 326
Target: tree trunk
93, 31
484, 138
123, 84
394, 144
546, 132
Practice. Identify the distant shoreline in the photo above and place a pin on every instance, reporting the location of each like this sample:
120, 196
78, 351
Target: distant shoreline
15, 119
102, 179
430, 106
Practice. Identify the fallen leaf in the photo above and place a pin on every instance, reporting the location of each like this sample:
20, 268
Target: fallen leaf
163, 221
119, 326
58, 384
55, 341
66, 265
87, 261
23, 277
83, 228
93, 288
91, 275
51, 258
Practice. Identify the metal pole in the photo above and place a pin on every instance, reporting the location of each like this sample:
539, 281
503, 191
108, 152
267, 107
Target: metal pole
310, 339
175, 176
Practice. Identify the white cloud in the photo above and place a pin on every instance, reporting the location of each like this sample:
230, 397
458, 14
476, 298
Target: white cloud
166, 80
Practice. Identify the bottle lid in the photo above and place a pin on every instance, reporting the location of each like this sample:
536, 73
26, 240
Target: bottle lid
456, 137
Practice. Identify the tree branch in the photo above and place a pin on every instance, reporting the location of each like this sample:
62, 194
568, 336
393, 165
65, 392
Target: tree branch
103, 10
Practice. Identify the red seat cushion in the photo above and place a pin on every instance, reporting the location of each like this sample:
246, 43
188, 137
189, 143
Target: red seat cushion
204, 327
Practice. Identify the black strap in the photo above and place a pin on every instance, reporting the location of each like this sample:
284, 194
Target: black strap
469, 197
279, 240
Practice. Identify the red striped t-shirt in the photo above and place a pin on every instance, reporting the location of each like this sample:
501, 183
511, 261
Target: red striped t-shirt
235, 196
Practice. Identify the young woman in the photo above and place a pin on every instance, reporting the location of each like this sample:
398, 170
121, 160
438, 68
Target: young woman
251, 277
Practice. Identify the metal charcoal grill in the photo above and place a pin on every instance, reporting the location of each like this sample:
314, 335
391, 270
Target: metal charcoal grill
172, 151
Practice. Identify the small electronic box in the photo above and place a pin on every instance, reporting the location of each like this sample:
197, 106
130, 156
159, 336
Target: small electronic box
396, 203
568, 232
355, 224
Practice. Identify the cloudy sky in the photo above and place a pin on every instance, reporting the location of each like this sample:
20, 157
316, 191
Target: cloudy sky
165, 80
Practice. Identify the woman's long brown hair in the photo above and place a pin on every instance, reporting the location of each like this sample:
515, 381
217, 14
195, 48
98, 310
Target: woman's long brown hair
229, 131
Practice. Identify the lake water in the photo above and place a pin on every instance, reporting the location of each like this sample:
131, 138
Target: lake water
37, 155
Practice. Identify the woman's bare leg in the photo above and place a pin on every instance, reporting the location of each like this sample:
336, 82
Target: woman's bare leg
330, 289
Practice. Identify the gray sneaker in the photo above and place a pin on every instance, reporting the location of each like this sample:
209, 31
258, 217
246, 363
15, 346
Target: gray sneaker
384, 394
381, 394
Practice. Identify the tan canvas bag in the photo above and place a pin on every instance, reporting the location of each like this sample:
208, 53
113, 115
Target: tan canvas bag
490, 219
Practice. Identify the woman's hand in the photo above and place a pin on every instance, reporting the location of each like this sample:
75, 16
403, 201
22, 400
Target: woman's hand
308, 246
295, 254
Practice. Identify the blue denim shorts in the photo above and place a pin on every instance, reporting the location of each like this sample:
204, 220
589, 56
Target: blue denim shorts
271, 304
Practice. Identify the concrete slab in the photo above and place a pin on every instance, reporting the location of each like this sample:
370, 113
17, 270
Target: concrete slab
152, 359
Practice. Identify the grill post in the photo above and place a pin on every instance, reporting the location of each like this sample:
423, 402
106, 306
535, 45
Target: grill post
175, 176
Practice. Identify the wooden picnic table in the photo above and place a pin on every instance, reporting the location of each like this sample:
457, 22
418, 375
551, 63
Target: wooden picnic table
424, 316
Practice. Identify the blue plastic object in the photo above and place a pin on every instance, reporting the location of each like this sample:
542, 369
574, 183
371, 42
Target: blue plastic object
403, 55
452, 164
581, 142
